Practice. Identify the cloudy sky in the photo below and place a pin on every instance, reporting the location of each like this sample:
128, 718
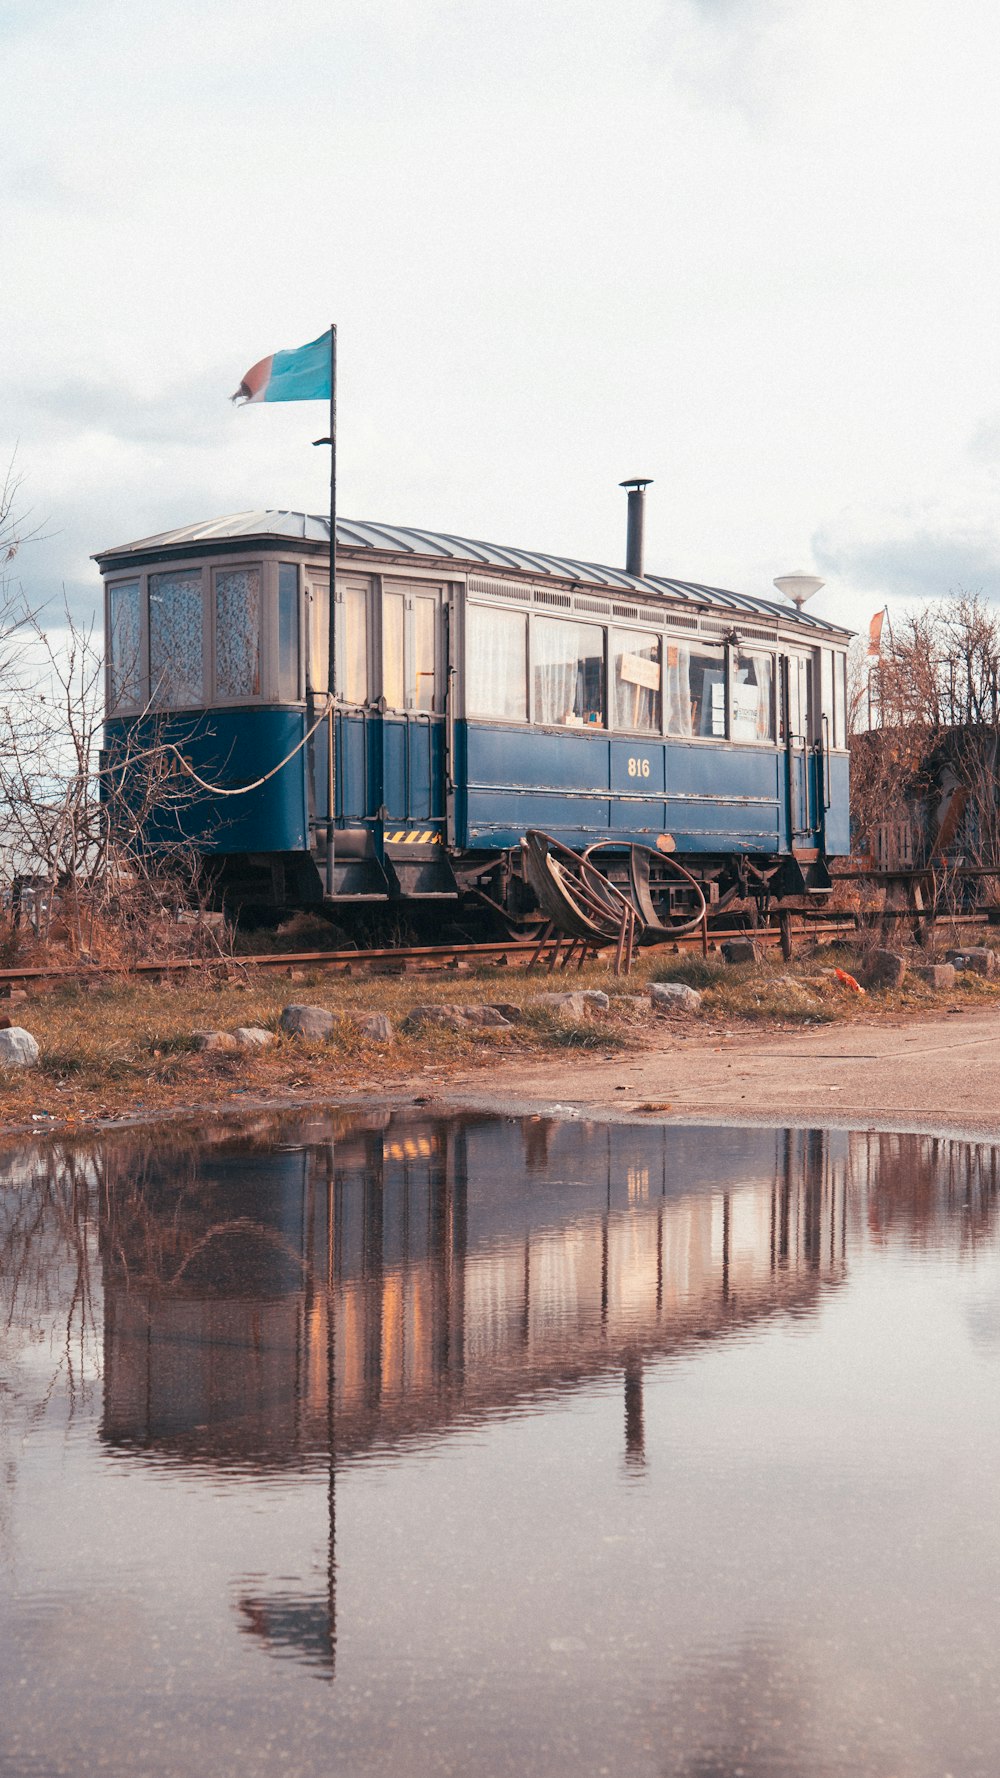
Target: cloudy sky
746, 247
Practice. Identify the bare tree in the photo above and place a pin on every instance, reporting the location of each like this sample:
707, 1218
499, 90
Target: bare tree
928, 765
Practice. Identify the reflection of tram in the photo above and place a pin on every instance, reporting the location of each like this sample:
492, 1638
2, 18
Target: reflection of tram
430, 1272
480, 692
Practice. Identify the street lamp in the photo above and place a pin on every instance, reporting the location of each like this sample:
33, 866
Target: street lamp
798, 587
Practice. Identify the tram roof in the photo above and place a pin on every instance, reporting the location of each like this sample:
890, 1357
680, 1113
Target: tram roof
407, 540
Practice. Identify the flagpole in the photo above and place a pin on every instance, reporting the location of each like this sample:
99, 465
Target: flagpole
331, 774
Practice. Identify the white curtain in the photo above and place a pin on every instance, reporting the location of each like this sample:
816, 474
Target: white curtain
554, 671
496, 671
677, 688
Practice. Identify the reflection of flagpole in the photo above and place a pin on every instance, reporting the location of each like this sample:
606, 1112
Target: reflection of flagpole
331, 1378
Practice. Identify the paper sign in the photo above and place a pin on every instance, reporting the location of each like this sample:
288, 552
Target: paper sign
635, 671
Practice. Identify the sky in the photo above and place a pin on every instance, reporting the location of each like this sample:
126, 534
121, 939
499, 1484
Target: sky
748, 248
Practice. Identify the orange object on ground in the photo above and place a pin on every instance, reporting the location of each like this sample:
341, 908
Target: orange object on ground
848, 981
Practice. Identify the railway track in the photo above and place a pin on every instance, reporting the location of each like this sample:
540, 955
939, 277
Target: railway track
412, 959
510, 953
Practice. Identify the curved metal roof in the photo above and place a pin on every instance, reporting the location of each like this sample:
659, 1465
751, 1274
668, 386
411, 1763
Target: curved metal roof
308, 528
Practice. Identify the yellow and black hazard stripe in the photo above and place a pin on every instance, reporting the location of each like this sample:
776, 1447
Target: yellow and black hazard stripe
414, 836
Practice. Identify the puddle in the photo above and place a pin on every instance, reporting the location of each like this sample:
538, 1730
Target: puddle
393, 1443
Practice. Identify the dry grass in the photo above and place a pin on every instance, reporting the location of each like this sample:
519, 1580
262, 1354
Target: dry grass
126, 1049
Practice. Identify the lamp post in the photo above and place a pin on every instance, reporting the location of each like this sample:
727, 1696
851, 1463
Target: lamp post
798, 586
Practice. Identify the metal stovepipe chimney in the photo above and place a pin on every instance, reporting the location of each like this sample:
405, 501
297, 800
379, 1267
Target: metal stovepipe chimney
636, 487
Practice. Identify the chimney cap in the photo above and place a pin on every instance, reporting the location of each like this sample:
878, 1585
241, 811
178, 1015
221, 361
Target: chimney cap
637, 481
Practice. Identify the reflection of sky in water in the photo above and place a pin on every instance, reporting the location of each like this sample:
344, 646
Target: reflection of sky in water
662, 1452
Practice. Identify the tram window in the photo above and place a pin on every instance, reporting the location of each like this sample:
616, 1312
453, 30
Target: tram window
425, 653
288, 632
237, 633
636, 683
393, 629
176, 638
840, 700
567, 673
318, 607
695, 687
826, 687
496, 683
353, 673
125, 686
752, 713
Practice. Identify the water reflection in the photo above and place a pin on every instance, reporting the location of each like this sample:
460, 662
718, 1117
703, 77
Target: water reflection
311, 1296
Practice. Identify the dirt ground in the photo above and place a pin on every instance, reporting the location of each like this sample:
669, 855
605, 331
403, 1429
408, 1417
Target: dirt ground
938, 1073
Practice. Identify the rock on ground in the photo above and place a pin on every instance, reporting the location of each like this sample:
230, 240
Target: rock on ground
253, 1037
454, 1018
218, 1042
979, 960
934, 975
566, 1006
307, 1021
673, 997
18, 1049
741, 950
375, 1025
884, 969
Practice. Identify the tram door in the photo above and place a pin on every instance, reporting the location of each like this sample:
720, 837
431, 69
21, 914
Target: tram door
413, 719
805, 759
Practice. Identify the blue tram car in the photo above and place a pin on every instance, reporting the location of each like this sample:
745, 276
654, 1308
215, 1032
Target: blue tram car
481, 691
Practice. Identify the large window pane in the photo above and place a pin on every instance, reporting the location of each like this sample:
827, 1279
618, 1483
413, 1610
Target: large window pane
288, 632
175, 639
425, 653
636, 681
752, 715
237, 633
393, 624
318, 609
353, 669
567, 673
840, 700
496, 664
123, 644
695, 689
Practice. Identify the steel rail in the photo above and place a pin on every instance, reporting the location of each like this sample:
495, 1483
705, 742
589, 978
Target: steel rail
512, 952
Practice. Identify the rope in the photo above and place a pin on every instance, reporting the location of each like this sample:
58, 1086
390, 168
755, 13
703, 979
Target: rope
221, 789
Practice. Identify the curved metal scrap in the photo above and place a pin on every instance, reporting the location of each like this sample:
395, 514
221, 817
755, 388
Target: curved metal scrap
638, 862
573, 894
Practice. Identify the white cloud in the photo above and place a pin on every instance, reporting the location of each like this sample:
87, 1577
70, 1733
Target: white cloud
746, 249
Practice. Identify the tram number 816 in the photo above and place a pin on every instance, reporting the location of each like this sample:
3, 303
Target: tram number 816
638, 768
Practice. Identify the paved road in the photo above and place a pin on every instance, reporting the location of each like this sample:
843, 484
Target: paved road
927, 1074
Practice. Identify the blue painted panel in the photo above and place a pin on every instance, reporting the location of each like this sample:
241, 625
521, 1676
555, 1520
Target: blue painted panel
628, 758
718, 770
413, 770
509, 758
229, 748
838, 822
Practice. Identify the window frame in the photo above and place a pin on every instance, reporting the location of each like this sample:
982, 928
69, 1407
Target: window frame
577, 621
524, 613
126, 706
236, 565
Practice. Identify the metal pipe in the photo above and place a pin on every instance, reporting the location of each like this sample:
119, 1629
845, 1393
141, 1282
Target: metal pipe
634, 552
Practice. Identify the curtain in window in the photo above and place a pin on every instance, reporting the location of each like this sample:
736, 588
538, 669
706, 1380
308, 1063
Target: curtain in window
568, 673
636, 681
126, 665
677, 688
496, 684
175, 639
237, 633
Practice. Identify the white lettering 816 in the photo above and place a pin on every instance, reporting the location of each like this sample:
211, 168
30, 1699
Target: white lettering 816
638, 768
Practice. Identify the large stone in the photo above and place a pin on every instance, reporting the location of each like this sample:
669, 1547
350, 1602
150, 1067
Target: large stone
596, 1000
884, 969
253, 1037
741, 950
376, 1026
565, 1006
934, 975
978, 959
673, 997
307, 1021
18, 1048
514, 1015
215, 1042
455, 1018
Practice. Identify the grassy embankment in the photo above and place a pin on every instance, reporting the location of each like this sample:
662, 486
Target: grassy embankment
127, 1048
